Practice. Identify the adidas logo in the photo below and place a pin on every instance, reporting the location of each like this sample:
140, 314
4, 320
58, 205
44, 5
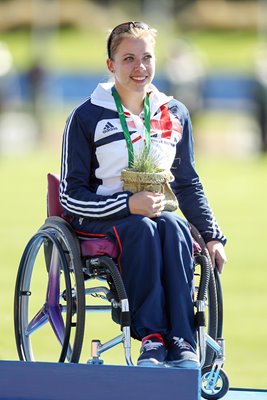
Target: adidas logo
109, 127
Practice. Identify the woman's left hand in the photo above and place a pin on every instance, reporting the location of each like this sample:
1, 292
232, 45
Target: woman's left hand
217, 254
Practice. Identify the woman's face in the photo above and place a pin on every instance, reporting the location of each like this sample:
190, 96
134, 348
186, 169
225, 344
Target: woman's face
133, 65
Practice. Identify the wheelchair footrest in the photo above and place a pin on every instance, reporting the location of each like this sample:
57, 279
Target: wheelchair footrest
53, 381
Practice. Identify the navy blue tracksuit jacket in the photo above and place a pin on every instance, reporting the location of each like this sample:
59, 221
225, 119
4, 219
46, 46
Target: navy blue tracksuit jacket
155, 255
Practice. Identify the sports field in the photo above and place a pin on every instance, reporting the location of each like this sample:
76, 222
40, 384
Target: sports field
236, 188
237, 192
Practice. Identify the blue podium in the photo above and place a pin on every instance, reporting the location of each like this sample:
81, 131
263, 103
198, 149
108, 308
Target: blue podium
55, 381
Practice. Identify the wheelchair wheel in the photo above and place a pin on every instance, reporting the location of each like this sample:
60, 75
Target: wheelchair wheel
213, 315
219, 302
49, 304
208, 289
214, 386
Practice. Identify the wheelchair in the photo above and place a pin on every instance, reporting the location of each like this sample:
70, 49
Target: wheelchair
64, 275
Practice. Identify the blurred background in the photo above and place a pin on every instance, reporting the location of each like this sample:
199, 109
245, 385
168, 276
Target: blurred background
211, 55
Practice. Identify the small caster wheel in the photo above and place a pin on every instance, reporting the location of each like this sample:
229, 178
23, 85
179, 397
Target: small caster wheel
211, 389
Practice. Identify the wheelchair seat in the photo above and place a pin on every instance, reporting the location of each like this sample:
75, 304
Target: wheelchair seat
90, 246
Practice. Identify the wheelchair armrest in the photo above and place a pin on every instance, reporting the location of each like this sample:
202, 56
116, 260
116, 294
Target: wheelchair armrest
54, 208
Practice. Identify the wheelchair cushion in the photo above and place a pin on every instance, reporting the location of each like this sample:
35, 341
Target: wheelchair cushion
54, 208
91, 247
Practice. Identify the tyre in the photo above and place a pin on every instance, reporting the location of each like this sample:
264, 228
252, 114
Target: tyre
206, 288
49, 303
213, 390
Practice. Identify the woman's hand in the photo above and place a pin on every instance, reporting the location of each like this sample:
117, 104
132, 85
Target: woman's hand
217, 254
147, 204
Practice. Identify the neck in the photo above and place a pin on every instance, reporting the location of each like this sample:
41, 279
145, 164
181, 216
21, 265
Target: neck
134, 102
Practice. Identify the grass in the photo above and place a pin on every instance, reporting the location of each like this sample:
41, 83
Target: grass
236, 189
73, 49
227, 50
237, 192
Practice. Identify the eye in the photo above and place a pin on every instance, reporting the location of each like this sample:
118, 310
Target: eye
147, 57
128, 58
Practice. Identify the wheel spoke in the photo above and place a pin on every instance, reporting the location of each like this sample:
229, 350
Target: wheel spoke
53, 287
57, 322
54, 308
37, 321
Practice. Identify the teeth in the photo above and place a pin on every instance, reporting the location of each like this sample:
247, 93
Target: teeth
139, 78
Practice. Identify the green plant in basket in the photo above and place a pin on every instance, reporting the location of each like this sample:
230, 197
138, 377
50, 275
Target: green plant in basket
145, 174
146, 162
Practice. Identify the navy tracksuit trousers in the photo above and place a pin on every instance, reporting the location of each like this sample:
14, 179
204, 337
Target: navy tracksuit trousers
156, 265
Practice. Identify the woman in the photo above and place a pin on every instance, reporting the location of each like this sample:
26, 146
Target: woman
155, 245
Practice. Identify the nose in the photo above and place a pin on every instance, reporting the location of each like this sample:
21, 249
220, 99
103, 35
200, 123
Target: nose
139, 64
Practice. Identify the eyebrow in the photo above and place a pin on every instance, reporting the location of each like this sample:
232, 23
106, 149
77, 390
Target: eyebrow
132, 54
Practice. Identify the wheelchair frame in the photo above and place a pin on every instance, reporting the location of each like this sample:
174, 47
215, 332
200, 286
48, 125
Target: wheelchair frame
69, 263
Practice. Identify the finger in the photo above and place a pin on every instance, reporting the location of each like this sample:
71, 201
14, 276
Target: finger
157, 206
219, 262
212, 259
162, 207
158, 196
219, 267
155, 214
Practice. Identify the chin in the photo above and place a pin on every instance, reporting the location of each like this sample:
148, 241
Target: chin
141, 87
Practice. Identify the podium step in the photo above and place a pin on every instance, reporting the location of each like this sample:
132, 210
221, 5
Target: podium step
56, 381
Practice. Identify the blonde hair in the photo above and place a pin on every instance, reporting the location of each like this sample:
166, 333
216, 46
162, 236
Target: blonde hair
128, 29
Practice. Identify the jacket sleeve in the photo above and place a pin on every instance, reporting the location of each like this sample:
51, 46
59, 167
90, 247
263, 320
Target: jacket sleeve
76, 195
188, 188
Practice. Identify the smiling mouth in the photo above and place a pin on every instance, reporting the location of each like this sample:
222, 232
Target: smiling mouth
139, 78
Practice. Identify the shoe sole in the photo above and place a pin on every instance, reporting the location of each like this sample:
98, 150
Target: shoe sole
152, 363
183, 364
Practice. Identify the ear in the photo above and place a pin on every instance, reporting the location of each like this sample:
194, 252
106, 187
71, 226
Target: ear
110, 65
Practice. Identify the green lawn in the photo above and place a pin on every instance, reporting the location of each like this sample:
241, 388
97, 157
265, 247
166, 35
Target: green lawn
72, 49
237, 191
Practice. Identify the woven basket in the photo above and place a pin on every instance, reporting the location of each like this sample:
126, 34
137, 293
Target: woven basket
157, 182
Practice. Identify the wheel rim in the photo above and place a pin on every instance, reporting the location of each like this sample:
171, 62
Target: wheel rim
208, 386
44, 315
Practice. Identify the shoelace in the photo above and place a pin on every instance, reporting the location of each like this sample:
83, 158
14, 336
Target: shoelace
181, 343
149, 345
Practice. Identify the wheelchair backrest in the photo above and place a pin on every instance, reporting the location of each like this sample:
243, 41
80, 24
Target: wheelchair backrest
54, 208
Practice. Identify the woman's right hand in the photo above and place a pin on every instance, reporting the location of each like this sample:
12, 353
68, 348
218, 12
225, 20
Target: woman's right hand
146, 203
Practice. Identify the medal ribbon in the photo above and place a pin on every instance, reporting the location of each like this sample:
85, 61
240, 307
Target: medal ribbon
125, 129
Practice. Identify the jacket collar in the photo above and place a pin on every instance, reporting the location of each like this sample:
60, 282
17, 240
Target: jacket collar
102, 97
